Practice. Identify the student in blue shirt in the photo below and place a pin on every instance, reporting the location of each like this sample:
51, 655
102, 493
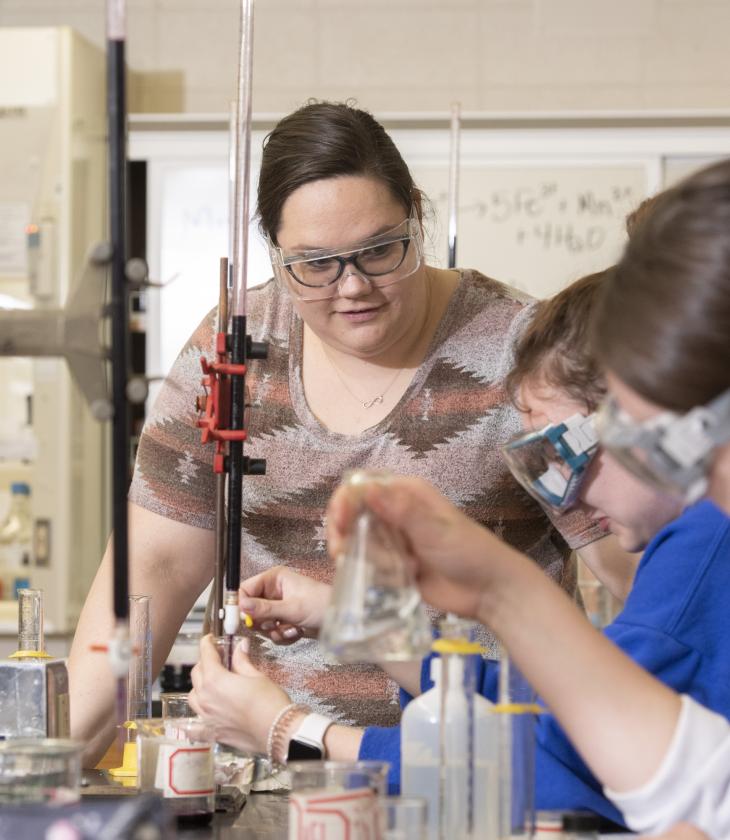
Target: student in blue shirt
672, 623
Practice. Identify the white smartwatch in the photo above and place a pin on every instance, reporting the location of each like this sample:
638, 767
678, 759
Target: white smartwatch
307, 743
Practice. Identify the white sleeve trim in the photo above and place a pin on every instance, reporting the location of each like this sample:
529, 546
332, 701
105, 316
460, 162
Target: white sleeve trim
692, 783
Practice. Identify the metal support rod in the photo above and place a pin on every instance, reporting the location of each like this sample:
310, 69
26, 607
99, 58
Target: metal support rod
119, 303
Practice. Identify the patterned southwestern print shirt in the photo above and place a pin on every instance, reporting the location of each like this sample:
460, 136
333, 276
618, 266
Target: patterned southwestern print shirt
446, 428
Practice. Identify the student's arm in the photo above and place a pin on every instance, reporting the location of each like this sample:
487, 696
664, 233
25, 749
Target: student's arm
169, 561
614, 567
584, 679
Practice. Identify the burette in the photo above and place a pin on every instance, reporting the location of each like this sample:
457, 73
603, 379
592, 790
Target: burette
453, 197
225, 402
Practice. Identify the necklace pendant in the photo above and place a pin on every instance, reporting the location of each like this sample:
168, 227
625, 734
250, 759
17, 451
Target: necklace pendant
373, 401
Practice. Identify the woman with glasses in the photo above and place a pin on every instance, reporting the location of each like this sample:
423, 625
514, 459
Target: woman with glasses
376, 360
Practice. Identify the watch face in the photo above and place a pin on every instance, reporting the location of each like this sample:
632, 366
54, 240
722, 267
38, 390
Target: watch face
303, 752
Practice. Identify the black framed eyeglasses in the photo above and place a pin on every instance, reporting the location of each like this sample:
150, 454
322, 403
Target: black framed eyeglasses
388, 256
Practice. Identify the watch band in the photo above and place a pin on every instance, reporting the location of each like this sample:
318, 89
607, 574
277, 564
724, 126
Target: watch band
311, 732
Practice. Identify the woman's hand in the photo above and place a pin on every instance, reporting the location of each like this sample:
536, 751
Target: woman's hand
283, 604
454, 558
239, 706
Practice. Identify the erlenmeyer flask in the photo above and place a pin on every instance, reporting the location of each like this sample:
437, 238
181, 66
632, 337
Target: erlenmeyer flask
376, 613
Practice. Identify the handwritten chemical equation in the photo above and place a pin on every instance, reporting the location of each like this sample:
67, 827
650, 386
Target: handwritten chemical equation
549, 216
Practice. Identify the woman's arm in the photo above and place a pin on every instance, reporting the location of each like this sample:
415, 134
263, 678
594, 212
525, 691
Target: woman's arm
241, 705
619, 718
169, 561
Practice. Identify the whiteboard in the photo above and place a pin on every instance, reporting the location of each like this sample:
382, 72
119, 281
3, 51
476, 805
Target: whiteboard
537, 226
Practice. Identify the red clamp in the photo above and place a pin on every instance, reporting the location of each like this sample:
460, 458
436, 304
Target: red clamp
216, 404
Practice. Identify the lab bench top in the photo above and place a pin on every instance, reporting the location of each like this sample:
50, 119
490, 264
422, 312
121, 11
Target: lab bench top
264, 816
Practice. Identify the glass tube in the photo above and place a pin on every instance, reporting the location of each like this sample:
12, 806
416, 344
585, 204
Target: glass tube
139, 682
30, 620
516, 753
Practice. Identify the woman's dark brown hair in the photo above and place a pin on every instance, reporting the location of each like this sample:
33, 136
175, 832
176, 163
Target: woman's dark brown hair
328, 140
556, 350
662, 324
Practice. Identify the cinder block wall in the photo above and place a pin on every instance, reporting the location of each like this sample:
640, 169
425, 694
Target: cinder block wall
416, 55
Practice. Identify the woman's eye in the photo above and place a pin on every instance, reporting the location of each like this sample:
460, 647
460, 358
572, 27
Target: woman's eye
325, 264
377, 250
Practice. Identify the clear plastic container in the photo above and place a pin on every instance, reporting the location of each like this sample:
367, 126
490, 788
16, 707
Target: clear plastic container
176, 762
402, 818
40, 770
16, 531
468, 797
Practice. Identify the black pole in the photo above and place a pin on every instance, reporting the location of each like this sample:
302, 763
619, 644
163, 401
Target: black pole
119, 303
235, 453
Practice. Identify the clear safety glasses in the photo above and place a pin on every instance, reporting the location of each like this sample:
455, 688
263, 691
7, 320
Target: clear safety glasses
551, 463
671, 452
382, 260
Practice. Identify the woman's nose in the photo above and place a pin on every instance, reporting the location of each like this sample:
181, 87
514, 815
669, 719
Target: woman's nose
353, 283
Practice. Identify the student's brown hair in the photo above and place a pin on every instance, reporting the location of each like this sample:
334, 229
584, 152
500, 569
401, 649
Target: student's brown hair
328, 140
556, 348
662, 324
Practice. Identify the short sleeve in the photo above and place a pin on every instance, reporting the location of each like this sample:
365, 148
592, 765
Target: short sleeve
693, 782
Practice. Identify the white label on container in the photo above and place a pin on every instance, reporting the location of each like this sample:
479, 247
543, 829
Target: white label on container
331, 815
184, 771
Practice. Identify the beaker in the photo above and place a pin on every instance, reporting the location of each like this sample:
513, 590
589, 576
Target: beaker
376, 613
176, 762
40, 770
175, 705
517, 719
334, 800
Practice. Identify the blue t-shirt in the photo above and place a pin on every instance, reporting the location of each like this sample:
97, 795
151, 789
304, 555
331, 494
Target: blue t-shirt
674, 624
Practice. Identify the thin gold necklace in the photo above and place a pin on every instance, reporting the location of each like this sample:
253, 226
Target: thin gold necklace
378, 399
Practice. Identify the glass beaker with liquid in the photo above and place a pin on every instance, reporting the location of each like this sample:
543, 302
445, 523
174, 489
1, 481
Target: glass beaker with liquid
376, 613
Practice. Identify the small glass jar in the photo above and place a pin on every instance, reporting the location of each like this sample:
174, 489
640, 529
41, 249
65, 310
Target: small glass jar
176, 762
40, 770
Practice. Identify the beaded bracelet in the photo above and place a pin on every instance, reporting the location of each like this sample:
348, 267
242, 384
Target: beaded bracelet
278, 726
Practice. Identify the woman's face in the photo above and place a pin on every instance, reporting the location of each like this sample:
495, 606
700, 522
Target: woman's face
361, 319
609, 494
640, 409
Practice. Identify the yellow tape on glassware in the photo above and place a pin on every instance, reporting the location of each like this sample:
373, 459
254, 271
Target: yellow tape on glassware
462, 646
518, 709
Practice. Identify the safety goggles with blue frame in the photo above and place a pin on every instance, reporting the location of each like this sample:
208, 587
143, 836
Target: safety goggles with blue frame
551, 463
